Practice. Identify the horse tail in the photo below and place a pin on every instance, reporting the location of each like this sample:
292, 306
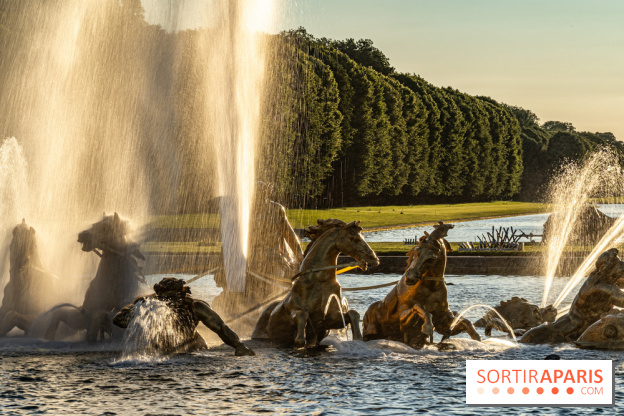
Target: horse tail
62, 305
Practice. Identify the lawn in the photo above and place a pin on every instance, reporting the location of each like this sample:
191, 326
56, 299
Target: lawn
372, 217
381, 248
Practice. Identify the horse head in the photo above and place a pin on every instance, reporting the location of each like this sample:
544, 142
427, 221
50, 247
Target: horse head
347, 239
23, 247
109, 234
428, 256
351, 242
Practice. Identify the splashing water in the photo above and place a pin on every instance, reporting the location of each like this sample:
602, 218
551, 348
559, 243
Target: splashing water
343, 306
469, 308
614, 233
115, 114
152, 332
569, 192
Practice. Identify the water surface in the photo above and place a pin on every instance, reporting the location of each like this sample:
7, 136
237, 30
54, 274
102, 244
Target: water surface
350, 378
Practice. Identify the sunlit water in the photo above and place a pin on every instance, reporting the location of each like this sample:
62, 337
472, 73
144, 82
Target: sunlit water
380, 377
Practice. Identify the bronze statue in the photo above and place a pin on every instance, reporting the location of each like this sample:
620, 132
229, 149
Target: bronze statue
314, 304
519, 313
115, 284
606, 334
187, 313
598, 295
418, 304
274, 254
30, 287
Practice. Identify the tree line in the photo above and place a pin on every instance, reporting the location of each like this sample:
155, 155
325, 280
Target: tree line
374, 135
340, 126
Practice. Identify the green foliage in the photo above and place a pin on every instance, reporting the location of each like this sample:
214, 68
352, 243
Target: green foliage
364, 53
558, 126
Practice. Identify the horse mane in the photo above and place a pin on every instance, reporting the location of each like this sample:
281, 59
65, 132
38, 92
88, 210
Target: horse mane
313, 232
414, 251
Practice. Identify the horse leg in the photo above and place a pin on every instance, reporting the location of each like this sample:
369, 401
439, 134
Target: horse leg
464, 325
72, 317
370, 323
334, 320
496, 323
407, 319
354, 320
13, 319
99, 326
300, 318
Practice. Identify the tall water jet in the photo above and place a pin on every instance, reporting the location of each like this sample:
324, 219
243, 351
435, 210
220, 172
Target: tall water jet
80, 94
235, 55
569, 192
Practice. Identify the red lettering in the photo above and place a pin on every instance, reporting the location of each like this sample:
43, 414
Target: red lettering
598, 376
481, 375
558, 375
516, 371
488, 376
505, 376
581, 376
546, 376
532, 376
569, 376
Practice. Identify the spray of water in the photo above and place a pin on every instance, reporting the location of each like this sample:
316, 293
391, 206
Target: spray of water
343, 306
152, 332
235, 57
464, 311
569, 192
114, 114
614, 233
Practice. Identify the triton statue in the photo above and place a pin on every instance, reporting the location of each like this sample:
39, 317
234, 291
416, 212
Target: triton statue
274, 256
598, 295
187, 313
519, 313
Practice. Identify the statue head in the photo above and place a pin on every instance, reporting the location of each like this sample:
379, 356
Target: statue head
107, 234
23, 249
609, 267
171, 288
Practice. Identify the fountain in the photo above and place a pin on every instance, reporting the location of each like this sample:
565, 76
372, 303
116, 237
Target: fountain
100, 106
597, 175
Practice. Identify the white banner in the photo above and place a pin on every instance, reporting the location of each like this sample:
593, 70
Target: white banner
540, 383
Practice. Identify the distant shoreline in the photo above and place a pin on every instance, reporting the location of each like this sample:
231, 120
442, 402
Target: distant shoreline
426, 223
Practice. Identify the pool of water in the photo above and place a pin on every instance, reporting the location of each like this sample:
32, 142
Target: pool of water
469, 230
380, 378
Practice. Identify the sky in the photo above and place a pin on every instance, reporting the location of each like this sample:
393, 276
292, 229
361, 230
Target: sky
561, 59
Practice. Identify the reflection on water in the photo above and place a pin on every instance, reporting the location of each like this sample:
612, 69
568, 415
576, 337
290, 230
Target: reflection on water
379, 377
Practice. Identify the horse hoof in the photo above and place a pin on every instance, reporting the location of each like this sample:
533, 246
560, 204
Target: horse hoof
243, 350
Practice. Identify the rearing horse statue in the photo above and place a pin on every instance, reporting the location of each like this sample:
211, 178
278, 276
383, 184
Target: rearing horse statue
115, 284
418, 303
314, 304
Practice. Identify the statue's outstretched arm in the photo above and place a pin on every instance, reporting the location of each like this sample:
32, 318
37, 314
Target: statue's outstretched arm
213, 321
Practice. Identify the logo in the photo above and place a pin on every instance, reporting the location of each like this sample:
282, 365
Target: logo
540, 383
